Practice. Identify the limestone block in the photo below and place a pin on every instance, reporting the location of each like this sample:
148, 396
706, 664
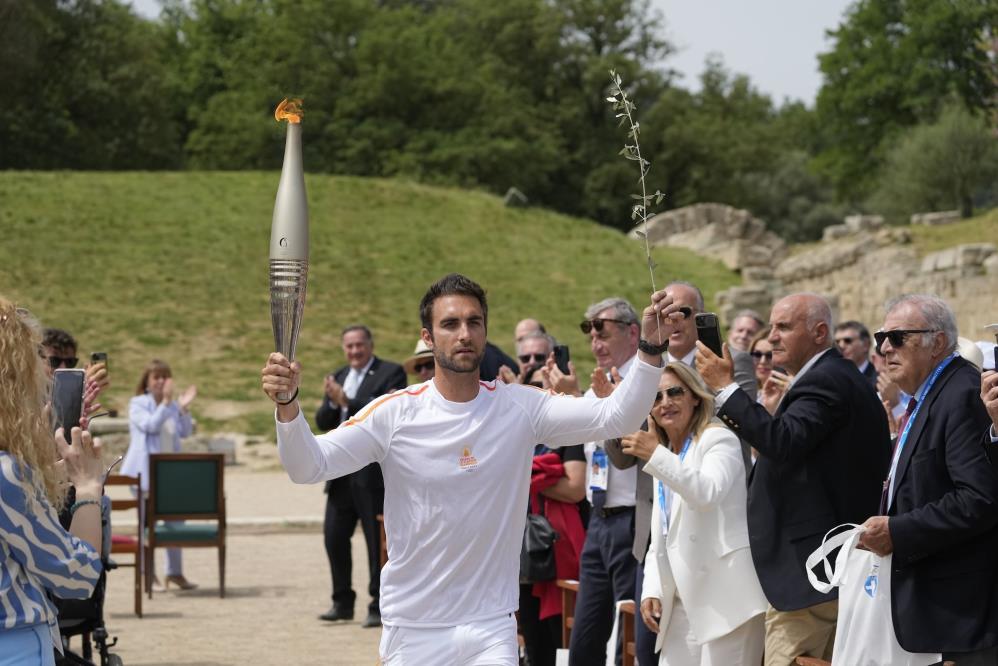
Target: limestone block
991, 265
834, 232
936, 218
864, 222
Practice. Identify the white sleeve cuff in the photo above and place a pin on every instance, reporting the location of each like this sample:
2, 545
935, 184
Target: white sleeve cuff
725, 393
994, 437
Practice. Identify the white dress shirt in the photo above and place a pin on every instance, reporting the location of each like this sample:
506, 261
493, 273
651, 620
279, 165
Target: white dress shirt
351, 383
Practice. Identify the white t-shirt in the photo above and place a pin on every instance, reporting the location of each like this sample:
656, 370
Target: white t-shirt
457, 476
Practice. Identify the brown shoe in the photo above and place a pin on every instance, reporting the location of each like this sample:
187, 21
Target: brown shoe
180, 582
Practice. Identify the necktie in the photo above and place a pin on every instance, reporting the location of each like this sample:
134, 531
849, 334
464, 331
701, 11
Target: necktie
352, 383
902, 422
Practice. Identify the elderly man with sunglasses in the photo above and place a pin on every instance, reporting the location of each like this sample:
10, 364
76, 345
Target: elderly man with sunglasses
822, 459
938, 517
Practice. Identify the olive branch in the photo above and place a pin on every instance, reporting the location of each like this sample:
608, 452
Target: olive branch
624, 109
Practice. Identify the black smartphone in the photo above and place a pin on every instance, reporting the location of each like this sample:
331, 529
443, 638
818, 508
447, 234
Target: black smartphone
561, 358
100, 357
67, 399
709, 331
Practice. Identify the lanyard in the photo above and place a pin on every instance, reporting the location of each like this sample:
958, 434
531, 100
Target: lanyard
903, 437
665, 495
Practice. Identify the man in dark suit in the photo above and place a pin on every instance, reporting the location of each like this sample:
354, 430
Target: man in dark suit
940, 522
361, 495
853, 341
822, 460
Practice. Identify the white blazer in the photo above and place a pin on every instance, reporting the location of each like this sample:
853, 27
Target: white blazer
706, 555
145, 425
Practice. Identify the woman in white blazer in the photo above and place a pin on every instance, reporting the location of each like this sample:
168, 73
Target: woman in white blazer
156, 422
701, 593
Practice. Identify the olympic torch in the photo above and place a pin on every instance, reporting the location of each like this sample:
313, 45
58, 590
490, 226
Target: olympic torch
289, 239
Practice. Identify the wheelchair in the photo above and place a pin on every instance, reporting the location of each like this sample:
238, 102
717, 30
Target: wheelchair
85, 617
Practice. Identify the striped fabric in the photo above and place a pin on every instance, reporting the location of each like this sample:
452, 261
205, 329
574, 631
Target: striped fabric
37, 555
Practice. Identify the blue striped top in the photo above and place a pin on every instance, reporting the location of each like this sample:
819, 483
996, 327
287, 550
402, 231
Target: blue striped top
37, 555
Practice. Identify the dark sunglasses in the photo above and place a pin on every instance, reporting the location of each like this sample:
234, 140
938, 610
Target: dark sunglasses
57, 362
758, 355
537, 358
844, 341
419, 367
672, 392
598, 324
898, 336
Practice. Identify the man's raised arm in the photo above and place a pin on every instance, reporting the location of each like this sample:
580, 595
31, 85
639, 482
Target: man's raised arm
307, 458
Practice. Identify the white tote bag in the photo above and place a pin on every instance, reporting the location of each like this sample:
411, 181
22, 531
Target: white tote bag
864, 633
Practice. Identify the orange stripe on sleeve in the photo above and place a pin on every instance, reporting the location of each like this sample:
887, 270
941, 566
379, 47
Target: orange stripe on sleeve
370, 408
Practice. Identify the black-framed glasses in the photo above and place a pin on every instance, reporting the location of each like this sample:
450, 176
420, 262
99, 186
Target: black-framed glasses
759, 356
536, 358
56, 362
672, 392
419, 367
898, 336
598, 324
844, 341
686, 311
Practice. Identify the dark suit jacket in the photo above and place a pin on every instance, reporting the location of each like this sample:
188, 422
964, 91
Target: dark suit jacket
822, 460
943, 517
871, 374
644, 494
382, 377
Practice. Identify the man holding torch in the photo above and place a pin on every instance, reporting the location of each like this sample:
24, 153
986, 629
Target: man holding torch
456, 456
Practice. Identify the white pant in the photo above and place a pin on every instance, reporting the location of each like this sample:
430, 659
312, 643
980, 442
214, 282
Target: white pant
482, 643
741, 647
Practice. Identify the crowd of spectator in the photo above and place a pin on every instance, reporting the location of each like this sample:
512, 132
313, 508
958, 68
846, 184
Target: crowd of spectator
707, 514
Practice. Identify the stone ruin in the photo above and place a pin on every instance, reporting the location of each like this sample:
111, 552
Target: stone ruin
858, 265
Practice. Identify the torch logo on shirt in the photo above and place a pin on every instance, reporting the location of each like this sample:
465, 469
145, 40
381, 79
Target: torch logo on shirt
468, 462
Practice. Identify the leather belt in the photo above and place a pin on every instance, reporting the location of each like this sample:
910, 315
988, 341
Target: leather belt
608, 511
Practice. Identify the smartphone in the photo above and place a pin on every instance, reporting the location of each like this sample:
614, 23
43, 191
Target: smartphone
709, 331
561, 358
67, 399
100, 357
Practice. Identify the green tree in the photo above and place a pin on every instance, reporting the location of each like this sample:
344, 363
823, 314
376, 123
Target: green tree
892, 64
945, 164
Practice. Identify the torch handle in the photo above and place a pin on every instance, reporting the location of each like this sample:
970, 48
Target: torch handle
288, 279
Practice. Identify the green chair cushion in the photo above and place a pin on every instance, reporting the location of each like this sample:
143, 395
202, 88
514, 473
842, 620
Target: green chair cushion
186, 532
186, 486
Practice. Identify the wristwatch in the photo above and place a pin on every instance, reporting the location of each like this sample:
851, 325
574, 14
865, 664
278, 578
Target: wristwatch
654, 350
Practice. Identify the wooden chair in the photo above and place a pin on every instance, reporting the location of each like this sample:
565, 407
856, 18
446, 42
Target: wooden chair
127, 543
383, 541
569, 590
627, 619
186, 487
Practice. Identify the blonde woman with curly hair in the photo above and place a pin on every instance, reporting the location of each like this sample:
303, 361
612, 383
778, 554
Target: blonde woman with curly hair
38, 558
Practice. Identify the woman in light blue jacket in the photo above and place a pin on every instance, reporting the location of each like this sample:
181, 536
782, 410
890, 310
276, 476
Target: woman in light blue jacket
701, 593
156, 422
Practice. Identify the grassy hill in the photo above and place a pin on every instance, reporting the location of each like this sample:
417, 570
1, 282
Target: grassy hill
174, 266
982, 228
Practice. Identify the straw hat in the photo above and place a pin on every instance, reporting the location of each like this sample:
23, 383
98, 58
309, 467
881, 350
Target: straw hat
422, 352
970, 351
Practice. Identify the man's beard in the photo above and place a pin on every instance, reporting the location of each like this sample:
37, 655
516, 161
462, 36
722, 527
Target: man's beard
467, 364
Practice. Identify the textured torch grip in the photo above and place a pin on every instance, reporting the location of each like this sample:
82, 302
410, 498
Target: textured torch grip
288, 279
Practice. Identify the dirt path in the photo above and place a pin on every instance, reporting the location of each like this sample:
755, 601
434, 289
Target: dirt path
276, 586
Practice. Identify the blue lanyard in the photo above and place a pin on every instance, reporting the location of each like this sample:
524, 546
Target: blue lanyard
903, 437
664, 500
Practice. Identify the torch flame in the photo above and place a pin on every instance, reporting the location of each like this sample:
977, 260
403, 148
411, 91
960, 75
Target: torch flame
290, 110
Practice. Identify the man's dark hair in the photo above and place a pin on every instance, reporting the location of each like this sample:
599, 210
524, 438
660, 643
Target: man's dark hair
56, 338
454, 284
864, 333
358, 327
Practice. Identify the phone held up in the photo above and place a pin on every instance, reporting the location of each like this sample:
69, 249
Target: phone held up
709, 332
561, 358
100, 357
67, 399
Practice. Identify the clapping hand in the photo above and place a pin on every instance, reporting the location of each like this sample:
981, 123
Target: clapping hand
334, 391
187, 397
602, 385
989, 394
774, 388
